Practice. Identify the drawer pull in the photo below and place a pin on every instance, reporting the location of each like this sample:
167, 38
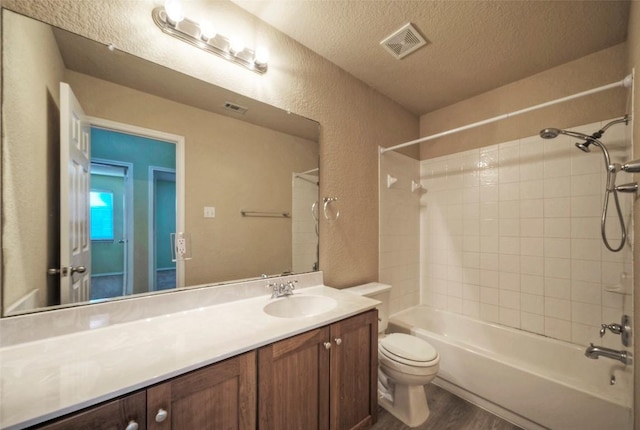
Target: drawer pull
327, 345
337, 340
161, 415
132, 425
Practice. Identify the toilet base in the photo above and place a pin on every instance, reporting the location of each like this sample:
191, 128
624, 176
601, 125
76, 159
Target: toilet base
409, 404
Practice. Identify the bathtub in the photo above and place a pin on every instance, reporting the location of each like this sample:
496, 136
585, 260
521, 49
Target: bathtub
530, 380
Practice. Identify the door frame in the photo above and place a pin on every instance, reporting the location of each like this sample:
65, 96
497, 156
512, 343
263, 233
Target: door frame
177, 140
128, 217
151, 223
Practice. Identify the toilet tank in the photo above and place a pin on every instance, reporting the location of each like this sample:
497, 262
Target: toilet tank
376, 291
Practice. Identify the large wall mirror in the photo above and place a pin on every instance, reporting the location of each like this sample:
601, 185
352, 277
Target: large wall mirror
122, 177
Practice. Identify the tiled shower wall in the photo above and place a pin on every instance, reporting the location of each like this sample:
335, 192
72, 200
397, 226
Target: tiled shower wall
510, 233
399, 263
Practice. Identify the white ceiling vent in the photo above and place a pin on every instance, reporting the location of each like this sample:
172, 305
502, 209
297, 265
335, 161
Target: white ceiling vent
404, 41
235, 108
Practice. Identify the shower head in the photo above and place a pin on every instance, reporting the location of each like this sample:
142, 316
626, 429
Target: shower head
584, 146
549, 133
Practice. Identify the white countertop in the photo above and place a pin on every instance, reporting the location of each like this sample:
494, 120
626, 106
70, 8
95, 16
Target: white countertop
48, 378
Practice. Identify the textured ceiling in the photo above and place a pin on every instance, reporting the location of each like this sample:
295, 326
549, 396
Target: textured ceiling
475, 46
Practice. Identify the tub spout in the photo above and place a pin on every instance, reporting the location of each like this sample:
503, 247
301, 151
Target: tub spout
596, 352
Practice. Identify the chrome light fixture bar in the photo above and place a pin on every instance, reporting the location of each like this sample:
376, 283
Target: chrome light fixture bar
199, 35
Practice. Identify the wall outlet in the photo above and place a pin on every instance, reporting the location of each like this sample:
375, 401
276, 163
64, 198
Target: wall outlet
209, 212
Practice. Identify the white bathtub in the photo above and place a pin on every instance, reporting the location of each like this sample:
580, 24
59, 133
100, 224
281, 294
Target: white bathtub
530, 380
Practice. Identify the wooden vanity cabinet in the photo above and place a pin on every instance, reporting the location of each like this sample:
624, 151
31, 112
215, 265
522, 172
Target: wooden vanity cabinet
126, 413
220, 396
322, 379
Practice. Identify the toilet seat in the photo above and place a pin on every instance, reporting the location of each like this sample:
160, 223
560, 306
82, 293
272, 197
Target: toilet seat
409, 350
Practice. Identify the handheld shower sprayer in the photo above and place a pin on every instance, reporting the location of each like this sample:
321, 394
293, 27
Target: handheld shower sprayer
612, 170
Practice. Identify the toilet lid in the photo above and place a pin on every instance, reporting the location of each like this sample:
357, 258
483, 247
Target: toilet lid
408, 347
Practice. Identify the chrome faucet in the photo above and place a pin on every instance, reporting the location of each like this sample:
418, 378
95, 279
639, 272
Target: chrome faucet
596, 352
282, 289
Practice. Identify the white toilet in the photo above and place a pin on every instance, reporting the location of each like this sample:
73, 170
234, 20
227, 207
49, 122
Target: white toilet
406, 363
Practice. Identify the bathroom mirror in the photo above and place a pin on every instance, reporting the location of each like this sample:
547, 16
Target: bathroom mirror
189, 184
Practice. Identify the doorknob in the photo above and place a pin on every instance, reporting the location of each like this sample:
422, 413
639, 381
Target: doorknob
65, 271
77, 269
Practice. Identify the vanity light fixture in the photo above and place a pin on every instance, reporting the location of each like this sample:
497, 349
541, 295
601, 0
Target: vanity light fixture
172, 21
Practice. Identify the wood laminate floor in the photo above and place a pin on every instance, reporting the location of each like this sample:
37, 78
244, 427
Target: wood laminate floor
447, 412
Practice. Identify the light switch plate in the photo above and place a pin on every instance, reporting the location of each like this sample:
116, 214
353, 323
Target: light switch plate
209, 212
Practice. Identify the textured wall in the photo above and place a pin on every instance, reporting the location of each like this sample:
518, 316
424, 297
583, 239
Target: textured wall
354, 118
594, 70
30, 145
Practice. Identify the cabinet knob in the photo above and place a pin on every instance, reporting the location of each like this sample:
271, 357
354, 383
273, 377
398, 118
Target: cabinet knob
132, 425
337, 340
327, 345
161, 415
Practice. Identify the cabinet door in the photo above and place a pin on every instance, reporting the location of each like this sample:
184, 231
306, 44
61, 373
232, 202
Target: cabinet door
220, 396
293, 391
119, 414
354, 372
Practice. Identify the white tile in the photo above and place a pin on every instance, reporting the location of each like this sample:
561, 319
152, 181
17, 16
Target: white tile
489, 210
454, 304
585, 228
586, 292
509, 245
559, 207
471, 276
471, 227
557, 288
586, 249
489, 295
612, 300
585, 270
509, 281
509, 191
471, 194
489, 312
532, 265
471, 308
489, 227
557, 227
531, 227
531, 208
490, 261
557, 268
557, 308
509, 209
554, 247
532, 323
531, 284
558, 329
509, 173
532, 303
586, 206
586, 185
532, 170
510, 263
583, 334
533, 246
489, 278
532, 189
471, 259
489, 193
510, 227
555, 167
471, 211
510, 317
509, 299
471, 243
471, 292
557, 187
490, 244
586, 313
582, 163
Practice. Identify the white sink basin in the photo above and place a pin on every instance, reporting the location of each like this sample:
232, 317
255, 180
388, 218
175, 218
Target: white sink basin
299, 306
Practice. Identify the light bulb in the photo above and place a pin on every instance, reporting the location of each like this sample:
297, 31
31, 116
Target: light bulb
261, 56
174, 11
237, 45
207, 31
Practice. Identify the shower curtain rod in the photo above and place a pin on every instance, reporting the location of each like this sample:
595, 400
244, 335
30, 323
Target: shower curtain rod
626, 82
